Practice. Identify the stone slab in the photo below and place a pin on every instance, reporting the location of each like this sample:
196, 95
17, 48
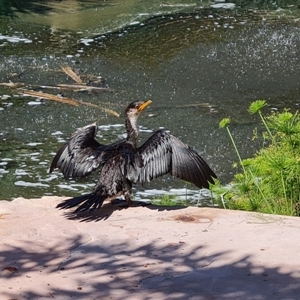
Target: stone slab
146, 253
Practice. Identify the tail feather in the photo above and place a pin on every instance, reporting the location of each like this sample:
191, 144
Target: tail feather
89, 202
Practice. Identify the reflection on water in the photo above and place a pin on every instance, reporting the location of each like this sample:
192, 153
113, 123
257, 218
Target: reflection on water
197, 67
13, 8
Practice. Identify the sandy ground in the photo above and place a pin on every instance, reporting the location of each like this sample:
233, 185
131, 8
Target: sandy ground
146, 253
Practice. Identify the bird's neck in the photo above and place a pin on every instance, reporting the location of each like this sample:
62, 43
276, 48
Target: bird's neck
132, 131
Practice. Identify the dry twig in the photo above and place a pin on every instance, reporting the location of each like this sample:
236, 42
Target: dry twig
67, 101
72, 74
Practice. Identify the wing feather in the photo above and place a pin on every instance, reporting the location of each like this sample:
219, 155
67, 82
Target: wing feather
81, 154
163, 153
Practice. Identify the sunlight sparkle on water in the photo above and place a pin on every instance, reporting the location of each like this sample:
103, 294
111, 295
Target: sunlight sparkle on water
30, 184
14, 39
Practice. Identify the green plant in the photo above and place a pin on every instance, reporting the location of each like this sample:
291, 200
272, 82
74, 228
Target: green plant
270, 181
168, 200
225, 124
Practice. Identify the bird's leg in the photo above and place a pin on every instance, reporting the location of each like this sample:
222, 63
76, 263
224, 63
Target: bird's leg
136, 203
127, 198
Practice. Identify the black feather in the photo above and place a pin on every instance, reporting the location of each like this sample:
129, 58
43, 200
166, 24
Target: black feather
123, 163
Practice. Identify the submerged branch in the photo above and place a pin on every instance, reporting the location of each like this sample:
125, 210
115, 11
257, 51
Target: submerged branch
66, 101
84, 87
76, 87
49, 97
72, 74
11, 84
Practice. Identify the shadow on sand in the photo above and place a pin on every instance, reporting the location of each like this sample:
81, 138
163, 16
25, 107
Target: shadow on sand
108, 209
123, 270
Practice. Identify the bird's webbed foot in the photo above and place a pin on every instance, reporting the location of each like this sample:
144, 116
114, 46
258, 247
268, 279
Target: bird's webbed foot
121, 202
129, 203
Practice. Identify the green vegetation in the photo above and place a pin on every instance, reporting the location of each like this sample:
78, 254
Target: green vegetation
270, 181
168, 200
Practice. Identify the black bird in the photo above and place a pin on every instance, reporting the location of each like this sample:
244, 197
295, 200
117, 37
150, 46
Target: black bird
123, 163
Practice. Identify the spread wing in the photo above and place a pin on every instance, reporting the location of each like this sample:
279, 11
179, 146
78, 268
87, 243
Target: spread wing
163, 153
81, 154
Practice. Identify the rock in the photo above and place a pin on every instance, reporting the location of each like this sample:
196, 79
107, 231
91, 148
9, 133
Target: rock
146, 253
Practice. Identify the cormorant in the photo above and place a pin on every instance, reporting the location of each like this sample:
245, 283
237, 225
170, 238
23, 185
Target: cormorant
123, 163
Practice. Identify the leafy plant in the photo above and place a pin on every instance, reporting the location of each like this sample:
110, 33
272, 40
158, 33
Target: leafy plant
270, 181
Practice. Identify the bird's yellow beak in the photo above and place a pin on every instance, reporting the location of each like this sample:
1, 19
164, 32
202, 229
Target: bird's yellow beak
144, 105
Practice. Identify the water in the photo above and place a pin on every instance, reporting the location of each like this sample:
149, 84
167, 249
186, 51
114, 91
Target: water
198, 66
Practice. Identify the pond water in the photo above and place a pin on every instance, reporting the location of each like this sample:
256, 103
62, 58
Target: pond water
197, 63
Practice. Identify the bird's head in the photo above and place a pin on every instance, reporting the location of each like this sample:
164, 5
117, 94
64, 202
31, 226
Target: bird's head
132, 113
135, 108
